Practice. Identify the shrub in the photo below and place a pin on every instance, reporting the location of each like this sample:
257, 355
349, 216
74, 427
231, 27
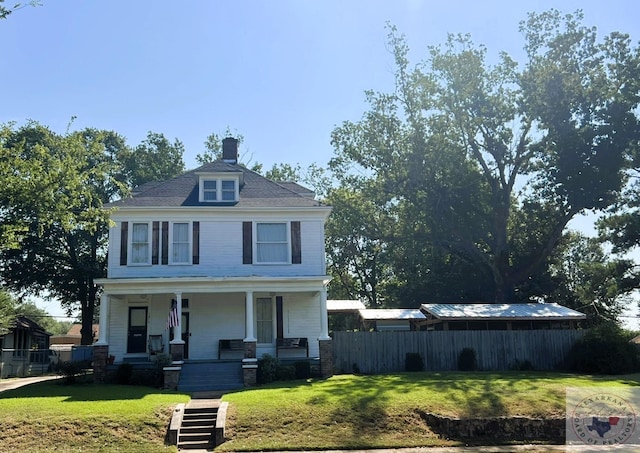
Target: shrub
413, 362
123, 373
69, 371
285, 373
302, 369
524, 365
467, 360
267, 369
604, 350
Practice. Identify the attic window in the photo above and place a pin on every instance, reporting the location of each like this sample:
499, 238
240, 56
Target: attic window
218, 189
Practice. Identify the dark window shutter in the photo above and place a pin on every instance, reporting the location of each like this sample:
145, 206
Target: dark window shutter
247, 243
296, 245
155, 246
196, 243
165, 243
279, 317
124, 239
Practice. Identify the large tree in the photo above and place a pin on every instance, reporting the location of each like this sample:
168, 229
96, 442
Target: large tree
488, 163
53, 226
155, 159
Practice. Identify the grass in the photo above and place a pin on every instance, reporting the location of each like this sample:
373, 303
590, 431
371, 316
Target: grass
384, 411
342, 412
50, 417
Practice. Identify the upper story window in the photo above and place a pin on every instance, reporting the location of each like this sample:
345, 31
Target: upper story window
218, 189
180, 243
140, 243
272, 243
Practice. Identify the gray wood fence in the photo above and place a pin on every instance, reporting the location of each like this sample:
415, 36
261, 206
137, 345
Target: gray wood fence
384, 352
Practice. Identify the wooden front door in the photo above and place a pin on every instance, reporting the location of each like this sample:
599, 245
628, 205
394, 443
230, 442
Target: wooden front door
137, 332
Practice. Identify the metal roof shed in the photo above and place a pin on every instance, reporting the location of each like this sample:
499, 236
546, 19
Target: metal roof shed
391, 318
500, 316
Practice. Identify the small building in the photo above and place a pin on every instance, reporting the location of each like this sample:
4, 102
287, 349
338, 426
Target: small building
344, 315
396, 319
24, 350
529, 316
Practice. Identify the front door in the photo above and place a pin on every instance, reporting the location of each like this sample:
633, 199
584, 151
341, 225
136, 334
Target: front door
185, 334
137, 332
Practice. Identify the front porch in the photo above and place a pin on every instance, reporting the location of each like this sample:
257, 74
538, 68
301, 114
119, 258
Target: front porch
218, 322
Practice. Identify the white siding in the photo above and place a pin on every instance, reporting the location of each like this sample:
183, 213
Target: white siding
221, 254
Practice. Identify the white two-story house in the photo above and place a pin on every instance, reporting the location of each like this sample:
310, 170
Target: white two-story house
218, 254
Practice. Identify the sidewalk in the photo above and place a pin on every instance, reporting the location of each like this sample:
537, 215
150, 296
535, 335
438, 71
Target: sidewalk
14, 383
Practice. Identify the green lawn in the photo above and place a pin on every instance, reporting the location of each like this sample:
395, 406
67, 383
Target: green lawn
339, 413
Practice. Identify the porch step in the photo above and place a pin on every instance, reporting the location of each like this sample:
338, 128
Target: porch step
209, 376
197, 430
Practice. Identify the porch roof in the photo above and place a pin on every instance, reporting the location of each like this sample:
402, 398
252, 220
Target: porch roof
532, 311
123, 286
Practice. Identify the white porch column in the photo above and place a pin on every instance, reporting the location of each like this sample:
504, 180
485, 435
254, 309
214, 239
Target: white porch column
104, 319
177, 330
324, 320
248, 317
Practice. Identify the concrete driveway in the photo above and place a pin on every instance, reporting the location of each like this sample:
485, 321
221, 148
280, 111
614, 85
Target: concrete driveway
14, 383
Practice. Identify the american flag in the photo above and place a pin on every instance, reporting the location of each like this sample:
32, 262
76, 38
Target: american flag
172, 320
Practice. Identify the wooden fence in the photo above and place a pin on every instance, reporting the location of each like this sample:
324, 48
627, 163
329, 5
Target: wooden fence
383, 352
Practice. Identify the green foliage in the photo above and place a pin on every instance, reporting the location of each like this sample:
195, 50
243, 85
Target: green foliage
70, 371
123, 373
267, 369
465, 176
413, 362
467, 360
605, 350
524, 365
7, 312
285, 372
155, 159
302, 370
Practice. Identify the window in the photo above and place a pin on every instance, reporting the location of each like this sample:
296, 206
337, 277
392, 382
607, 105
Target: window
228, 190
210, 190
140, 249
264, 320
272, 245
218, 189
180, 244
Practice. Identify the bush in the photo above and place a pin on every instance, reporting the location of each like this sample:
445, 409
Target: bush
123, 373
467, 360
303, 370
413, 362
69, 371
267, 369
524, 365
285, 373
604, 350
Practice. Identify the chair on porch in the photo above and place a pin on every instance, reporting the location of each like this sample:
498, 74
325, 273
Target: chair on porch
156, 344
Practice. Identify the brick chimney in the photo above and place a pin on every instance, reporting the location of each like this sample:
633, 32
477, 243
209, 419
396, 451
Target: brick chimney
230, 150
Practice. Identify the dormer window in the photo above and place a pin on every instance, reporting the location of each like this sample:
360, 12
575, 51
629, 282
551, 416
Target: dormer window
218, 189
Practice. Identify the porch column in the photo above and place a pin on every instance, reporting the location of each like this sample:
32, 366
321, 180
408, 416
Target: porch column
324, 320
105, 302
248, 317
176, 346
249, 362
101, 347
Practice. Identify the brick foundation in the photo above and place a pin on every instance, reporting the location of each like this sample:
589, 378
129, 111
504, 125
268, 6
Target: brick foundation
100, 355
177, 351
250, 349
171, 377
326, 358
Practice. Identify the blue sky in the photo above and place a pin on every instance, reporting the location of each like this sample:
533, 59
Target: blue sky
282, 73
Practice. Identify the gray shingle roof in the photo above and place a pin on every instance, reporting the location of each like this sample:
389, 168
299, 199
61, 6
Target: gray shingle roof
501, 311
256, 191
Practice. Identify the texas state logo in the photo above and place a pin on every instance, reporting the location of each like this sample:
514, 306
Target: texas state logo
601, 417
